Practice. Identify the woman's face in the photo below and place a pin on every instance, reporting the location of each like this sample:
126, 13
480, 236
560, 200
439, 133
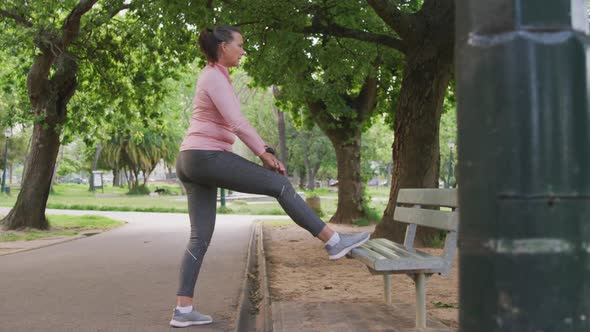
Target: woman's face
232, 51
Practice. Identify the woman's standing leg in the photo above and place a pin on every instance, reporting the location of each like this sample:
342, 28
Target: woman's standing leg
202, 201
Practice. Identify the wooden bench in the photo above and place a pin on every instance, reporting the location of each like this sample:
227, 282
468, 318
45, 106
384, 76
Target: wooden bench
415, 208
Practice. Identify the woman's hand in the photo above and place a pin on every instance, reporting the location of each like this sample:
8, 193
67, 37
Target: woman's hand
271, 162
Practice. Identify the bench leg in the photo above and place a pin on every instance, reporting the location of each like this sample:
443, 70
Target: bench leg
420, 281
387, 286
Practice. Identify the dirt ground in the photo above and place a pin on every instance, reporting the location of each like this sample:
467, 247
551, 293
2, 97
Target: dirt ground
299, 270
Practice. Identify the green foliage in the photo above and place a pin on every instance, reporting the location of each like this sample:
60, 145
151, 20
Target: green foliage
89, 207
312, 68
448, 133
312, 194
371, 215
436, 240
18, 145
139, 190
302, 143
224, 210
312, 150
71, 159
69, 166
123, 61
84, 222
376, 149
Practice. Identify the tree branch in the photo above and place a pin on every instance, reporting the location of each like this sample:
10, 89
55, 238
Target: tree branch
340, 31
330, 125
110, 14
367, 97
399, 21
19, 19
71, 25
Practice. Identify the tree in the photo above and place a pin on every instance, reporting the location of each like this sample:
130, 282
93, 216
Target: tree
426, 39
331, 82
423, 32
69, 46
136, 147
311, 151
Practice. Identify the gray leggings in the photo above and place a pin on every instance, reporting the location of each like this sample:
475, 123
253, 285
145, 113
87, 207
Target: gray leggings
202, 172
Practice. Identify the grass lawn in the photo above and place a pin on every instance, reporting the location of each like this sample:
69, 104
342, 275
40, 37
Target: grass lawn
77, 197
62, 225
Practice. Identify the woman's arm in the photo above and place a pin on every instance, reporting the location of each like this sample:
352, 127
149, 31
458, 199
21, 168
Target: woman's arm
223, 96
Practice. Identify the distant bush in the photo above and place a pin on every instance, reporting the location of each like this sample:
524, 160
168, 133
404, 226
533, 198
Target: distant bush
224, 210
139, 190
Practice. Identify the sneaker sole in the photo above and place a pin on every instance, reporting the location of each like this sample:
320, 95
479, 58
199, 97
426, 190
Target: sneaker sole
176, 323
348, 249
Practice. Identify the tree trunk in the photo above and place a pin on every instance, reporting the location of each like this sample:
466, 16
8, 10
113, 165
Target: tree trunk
345, 135
116, 178
309, 172
135, 178
49, 99
284, 157
350, 189
29, 209
416, 131
282, 139
314, 172
302, 177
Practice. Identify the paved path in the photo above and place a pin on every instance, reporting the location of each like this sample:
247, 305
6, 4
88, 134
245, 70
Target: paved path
124, 279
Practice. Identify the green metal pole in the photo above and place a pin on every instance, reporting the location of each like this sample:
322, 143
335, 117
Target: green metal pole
524, 165
222, 197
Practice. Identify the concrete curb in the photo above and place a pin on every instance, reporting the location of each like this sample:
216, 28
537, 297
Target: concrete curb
245, 320
264, 322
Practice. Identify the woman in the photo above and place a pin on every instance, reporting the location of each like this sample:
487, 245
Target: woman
206, 162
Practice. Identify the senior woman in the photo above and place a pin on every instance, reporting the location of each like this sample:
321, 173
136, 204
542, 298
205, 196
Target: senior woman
206, 162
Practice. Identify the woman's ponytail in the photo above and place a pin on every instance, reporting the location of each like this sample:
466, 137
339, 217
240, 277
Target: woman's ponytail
209, 40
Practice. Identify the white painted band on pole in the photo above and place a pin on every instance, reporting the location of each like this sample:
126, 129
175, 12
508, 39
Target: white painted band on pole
530, 246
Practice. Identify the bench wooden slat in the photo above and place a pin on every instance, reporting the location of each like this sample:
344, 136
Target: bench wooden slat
368, 257
445, 220
389, 252
433, 264
378, 262
390, 244
435, 197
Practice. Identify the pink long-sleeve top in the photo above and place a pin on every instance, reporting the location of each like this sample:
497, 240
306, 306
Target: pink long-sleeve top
217, 118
